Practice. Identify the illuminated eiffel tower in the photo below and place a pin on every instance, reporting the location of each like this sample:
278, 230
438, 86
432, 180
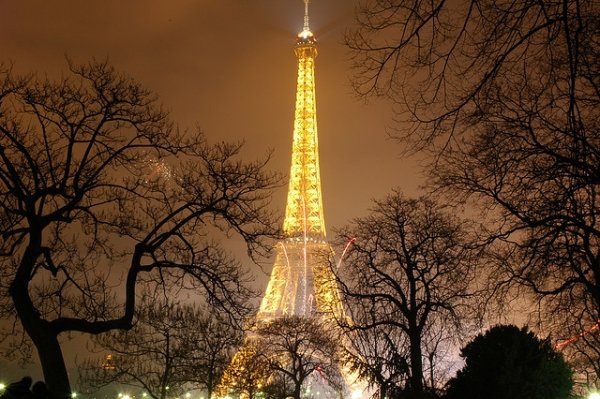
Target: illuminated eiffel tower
302, 282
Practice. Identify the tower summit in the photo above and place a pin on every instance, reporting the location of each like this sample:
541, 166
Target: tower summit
306, 28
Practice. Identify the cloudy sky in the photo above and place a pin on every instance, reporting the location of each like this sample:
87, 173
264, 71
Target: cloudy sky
227, 66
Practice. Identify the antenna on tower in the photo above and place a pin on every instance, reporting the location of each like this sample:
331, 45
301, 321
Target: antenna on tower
306, 28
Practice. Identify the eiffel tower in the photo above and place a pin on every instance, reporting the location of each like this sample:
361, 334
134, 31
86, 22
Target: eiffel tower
302, 282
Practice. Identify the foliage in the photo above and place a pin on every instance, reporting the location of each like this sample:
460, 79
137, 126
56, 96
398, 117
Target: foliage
101, 193
171, 349
507, 97
511, 363
407, 281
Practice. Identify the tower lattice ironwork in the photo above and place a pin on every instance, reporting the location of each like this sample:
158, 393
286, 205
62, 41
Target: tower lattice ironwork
302, 282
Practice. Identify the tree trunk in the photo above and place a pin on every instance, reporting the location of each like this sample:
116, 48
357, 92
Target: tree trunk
414, 334
46, 344
210, 383
382, 391
53, 364
297, 390
416, 364
42, 335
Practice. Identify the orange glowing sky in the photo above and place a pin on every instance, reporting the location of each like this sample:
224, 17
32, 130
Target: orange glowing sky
228, 66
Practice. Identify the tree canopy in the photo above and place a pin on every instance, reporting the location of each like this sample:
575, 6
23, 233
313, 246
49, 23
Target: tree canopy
511, 363
301, 349
172, 348
407, 280
100, 193
289, 356
506, 99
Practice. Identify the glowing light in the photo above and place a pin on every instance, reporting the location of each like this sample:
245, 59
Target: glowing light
73, 395
126, 396
302, 281
305, 34
356, 394
109, 362
302, 259
156, 169
2, 386
561, 344
594, 395
350, 242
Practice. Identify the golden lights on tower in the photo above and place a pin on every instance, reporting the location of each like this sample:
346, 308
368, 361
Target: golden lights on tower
304, 209
108, 363
302, 282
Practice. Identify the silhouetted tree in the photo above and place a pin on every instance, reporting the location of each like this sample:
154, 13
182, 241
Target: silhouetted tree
297, 349
378, 356
96, 184
279, 386
507, 97
248, 374
511, 363
406, 278
172, 348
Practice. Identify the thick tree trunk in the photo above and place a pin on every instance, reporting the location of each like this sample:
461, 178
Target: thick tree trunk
210, 383
50, 355
416, 365
40, 332
53, 364
297, 391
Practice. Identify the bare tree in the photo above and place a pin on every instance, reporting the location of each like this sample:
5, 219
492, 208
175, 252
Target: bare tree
297, 349
507, 96
172, 348
248, 373
218, 342
407, 282
99, 193
378, 356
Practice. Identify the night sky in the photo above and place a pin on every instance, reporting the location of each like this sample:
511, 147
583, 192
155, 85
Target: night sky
227, 66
